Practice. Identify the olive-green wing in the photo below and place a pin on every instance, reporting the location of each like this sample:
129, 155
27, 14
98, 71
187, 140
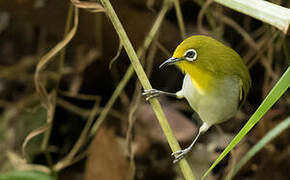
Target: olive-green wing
245, 85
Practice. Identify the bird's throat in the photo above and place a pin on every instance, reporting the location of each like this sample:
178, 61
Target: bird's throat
200, 78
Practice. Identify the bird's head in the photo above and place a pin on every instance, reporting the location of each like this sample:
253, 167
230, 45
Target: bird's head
206, 59
200, 52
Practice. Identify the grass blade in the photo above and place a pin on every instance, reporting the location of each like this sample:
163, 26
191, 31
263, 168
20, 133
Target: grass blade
269, 136
270, 13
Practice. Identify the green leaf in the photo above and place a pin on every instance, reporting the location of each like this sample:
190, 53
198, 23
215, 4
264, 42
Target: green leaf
280, 87
267, 12
25, 175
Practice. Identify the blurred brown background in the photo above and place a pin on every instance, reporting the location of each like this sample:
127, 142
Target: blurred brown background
29, 29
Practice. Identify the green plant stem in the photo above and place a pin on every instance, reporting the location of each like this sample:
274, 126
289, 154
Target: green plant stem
47, 133
61, 61
112, 99
130, 70
280, 87
185, 168
180, 19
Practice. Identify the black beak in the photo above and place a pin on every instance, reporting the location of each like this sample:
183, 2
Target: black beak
170, 61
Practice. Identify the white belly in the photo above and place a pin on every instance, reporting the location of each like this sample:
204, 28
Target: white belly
214, 107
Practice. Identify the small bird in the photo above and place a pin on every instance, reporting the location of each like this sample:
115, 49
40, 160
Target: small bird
216, 82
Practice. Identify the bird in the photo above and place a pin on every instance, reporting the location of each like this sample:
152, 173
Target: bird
216, 82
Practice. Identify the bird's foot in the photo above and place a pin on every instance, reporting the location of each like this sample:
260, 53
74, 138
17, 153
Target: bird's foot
180, 154
151, 93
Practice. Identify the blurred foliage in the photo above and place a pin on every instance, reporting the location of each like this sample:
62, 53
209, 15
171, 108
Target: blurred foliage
25, 175
84, 83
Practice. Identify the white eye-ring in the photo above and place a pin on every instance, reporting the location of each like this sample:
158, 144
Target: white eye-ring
190, 55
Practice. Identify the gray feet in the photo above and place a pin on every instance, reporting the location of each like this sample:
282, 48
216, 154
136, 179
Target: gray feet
151, 93
180, 154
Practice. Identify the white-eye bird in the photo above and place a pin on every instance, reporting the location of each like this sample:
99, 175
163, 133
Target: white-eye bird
215, 85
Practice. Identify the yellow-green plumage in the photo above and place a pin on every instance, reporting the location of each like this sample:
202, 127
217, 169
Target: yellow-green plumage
214, 59
216, 81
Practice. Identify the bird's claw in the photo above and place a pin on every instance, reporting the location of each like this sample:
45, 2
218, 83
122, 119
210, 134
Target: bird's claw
180, 154
151, 93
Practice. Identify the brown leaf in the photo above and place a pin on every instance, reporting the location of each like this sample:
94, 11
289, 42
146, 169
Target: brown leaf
106, 159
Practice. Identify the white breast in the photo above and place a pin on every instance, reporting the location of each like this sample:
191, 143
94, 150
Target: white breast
214, 107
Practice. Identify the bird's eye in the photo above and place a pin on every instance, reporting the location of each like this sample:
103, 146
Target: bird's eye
190, 55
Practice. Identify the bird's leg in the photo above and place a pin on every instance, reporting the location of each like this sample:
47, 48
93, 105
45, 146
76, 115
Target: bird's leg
151, 93
181, 153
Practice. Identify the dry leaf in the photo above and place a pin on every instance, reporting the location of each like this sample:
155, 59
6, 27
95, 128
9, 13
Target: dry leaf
89, 6
47, 58
20, 163
32, 134
106, 158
